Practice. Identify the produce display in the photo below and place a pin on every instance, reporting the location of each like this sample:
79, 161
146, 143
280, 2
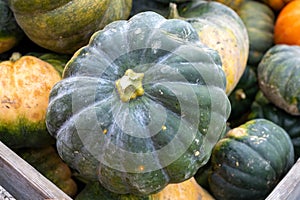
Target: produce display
152, 99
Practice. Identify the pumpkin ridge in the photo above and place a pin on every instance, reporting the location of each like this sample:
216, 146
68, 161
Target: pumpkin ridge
239, 187
243, 143
289, 79
261, 156
231, 190
222, 175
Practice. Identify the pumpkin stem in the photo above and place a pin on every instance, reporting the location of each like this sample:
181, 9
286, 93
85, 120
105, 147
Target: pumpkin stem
173, 12
130, 85
15, 56
240, 94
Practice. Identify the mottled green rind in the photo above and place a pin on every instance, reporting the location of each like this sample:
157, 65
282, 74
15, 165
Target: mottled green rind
249, 166
10, 32
65, 26
178, 69
263, 108
279, 75
259, 20
24, 133
94, 190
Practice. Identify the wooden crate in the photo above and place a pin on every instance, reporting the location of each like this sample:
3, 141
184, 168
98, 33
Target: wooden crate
24, 182
289, 187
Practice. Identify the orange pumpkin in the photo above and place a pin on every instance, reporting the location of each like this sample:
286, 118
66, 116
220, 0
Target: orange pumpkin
25, 84
287, 25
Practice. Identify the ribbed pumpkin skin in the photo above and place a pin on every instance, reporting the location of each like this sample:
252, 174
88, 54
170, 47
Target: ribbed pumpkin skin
279, 77
10, 32
220, 28
180, 75
188, 189
24, 91
250, 161
65, 26
259, 20
262, 108
47, 162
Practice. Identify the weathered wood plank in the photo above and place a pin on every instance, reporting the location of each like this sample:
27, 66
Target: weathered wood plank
289, 187
23, 181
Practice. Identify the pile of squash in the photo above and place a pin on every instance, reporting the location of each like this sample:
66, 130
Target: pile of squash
153, 99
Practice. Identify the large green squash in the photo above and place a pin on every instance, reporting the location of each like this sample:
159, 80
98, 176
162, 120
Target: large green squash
141, 106
250, 161
188, 190
10, 32
65, 26
263, 108
279, 77
220, 28
259, 20
25, 86
47, 162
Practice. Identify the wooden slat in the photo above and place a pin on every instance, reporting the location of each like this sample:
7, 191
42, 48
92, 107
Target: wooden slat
23, 181
289, 187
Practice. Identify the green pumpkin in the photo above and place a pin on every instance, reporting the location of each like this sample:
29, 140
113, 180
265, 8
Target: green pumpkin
259, 20
47, 162
279, 77
10, 32
243, 94
140, 106
65, 26
250, 161
263, 108
220, 28
188, 189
